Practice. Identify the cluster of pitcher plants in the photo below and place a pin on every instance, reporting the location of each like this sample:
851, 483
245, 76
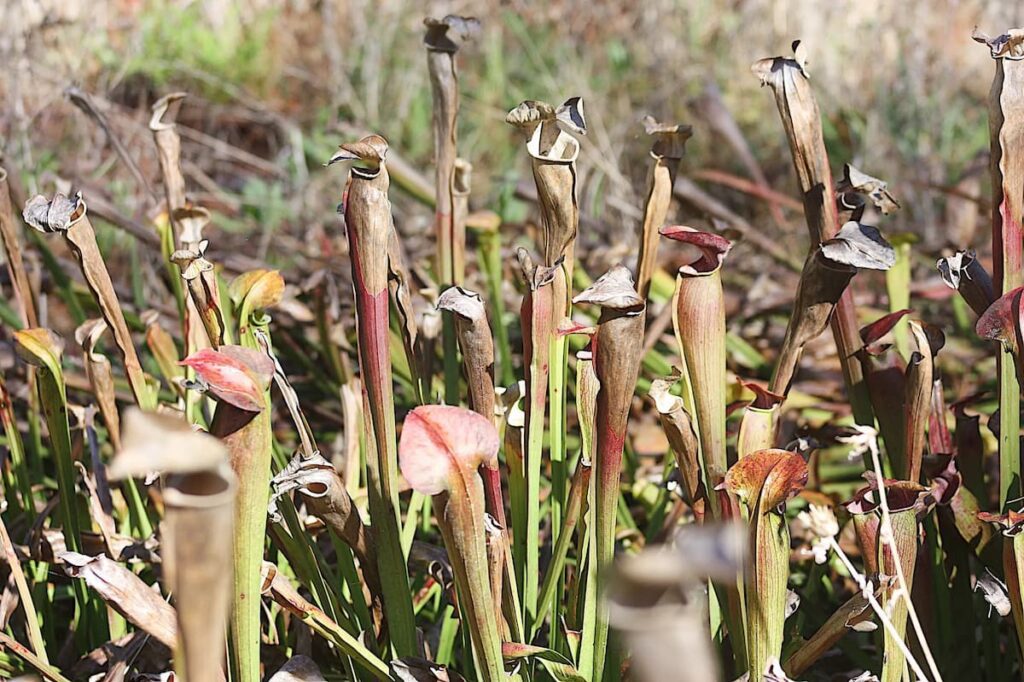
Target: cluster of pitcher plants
172, 511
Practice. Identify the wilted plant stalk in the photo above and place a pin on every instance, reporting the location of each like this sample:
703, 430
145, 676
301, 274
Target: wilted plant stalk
68, 217
1006, 133
802, 122
553, 155
197, 534
669, 142
616, 348
442, 40
367, 213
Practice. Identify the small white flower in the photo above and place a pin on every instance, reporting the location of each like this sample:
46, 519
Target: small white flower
823, 524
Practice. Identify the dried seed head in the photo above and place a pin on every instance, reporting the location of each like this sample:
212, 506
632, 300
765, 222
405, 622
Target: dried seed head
449, 34
613, 290
235, 375
54, 215
442, 441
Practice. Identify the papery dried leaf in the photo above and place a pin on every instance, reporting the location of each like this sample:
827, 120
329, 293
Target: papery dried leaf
613, 290
1009, 45
439, 441
236, 375
856, 181
764, 480
191, 220
125, 593
570, 115
56, 215
861, 246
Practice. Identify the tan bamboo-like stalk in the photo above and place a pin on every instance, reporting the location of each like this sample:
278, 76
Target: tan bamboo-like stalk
669, 142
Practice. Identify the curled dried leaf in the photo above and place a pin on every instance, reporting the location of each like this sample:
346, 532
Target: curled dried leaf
530, 113
54, 215
669, 140
614, 290
462, 302
857, 181
860, 246
160, 109
449, 34
1009, 45
371, 150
